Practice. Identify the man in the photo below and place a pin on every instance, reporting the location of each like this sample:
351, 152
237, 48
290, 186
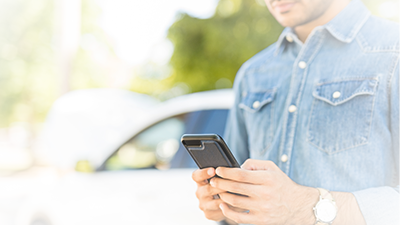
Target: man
317, 109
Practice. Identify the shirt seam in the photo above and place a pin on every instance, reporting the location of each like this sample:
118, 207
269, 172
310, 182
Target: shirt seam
391, 75
353, 32
299, 98
344, 149
364, 46
347, 79
271, 134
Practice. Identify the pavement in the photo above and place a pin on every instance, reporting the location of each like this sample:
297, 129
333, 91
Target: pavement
17, 187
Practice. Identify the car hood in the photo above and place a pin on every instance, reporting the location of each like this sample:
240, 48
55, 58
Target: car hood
86, 124
147, 196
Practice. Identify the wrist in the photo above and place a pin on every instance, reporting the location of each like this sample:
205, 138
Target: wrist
303, 213
348, 209
325, 210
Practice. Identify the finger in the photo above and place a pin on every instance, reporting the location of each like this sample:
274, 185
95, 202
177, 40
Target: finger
215, 215
207, 192
238, 201
237, 209
210, 205
253, 164
200, 176
234, 186
243, 176
238, 217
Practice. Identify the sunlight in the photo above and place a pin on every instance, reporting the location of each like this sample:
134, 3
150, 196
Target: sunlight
139, 28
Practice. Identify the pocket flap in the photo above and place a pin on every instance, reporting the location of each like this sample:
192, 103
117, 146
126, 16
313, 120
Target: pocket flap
336, 93
254, 101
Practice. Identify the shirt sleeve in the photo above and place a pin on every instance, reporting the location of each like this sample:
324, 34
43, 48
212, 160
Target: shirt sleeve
235, 131
381, 205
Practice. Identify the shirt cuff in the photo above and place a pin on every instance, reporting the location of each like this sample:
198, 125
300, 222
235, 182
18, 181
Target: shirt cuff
379, 205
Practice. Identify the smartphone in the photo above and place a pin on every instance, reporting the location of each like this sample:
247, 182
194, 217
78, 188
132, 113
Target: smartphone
209, 150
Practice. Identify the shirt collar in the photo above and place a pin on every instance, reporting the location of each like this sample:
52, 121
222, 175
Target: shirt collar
348, 22
343, 26
282, 38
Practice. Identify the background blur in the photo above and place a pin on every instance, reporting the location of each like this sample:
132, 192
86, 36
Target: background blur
156, 47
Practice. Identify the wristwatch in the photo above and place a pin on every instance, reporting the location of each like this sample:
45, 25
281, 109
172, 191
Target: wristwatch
325, 210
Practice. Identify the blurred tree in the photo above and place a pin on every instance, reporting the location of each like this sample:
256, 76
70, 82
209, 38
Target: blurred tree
90, 68
209, 52
27, 71
28, 75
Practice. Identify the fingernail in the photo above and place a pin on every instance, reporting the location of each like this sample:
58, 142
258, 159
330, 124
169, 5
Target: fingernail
212, 183
217, 170
210, 172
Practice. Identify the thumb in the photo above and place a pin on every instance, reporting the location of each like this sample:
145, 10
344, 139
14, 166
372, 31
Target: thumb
253, 164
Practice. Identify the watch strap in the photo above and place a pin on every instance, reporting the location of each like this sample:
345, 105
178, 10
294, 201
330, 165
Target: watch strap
325, 194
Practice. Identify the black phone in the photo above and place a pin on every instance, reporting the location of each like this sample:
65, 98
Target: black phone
209, 150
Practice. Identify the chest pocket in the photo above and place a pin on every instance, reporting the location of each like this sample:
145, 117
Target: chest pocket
341, 114
258, 114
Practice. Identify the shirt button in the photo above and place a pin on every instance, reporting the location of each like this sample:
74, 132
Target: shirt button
336, 94
244, 94
292, 108
302, 64
256, 104
289, 38
284, 158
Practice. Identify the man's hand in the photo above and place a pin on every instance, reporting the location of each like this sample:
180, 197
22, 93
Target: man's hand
273, 198
206, 194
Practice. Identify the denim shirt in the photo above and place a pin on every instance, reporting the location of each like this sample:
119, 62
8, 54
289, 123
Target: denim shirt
327, 111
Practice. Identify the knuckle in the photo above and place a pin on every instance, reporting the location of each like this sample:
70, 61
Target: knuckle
194, 175
215, 182
201, 206
198, 194
209, 216
197, 176
201, 192
248, 161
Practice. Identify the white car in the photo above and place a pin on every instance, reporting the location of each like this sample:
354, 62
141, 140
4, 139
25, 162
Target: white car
129, 145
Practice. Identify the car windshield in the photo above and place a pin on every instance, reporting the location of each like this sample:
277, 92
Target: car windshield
154, 146
159, 145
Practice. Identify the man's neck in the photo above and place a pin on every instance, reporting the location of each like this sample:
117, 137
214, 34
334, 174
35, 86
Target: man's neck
303, 31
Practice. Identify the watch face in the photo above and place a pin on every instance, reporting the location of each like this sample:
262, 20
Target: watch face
325, 210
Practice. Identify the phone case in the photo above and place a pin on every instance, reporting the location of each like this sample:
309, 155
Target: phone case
209, 150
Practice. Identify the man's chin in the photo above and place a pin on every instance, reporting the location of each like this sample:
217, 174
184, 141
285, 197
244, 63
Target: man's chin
288, 22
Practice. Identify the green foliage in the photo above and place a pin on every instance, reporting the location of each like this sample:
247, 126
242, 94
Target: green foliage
89, 66
208, 52
26, 60
29, 77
